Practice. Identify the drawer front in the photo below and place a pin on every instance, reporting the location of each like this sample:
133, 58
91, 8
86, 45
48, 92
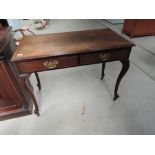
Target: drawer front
46, 64
104, 56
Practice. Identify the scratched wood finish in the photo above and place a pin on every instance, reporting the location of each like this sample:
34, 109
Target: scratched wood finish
57, 44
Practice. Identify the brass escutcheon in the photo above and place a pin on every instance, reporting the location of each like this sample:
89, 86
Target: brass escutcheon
105, 56
51, 64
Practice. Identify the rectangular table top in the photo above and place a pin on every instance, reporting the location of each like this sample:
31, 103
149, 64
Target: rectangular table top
66, 43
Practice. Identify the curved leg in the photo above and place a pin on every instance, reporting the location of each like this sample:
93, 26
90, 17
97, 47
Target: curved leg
38, 80
24, 82
125, 67
103, 67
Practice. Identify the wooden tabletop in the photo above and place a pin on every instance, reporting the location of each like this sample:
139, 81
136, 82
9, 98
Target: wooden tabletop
56, 44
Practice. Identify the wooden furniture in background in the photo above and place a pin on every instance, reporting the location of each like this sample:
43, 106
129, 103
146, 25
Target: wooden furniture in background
14, 100
139, 27
69, 49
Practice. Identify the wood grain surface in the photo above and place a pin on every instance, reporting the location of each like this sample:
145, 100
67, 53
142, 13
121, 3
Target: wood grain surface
66, 43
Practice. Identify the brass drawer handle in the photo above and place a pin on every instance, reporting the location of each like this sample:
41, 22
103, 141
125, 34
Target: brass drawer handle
51, 64
105, 56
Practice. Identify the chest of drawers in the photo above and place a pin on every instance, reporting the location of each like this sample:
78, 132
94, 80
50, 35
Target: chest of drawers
13, 102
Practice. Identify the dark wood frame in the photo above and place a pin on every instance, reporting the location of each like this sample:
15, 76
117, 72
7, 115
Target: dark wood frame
19, 104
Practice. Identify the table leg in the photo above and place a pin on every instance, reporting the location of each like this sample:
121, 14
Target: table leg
38, 80
24, 82
125, 67
103, 67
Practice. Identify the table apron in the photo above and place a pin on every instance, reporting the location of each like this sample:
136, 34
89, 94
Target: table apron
58, 62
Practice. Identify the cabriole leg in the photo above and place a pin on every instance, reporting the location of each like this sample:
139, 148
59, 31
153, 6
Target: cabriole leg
103, 67
38, 80
125, 67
